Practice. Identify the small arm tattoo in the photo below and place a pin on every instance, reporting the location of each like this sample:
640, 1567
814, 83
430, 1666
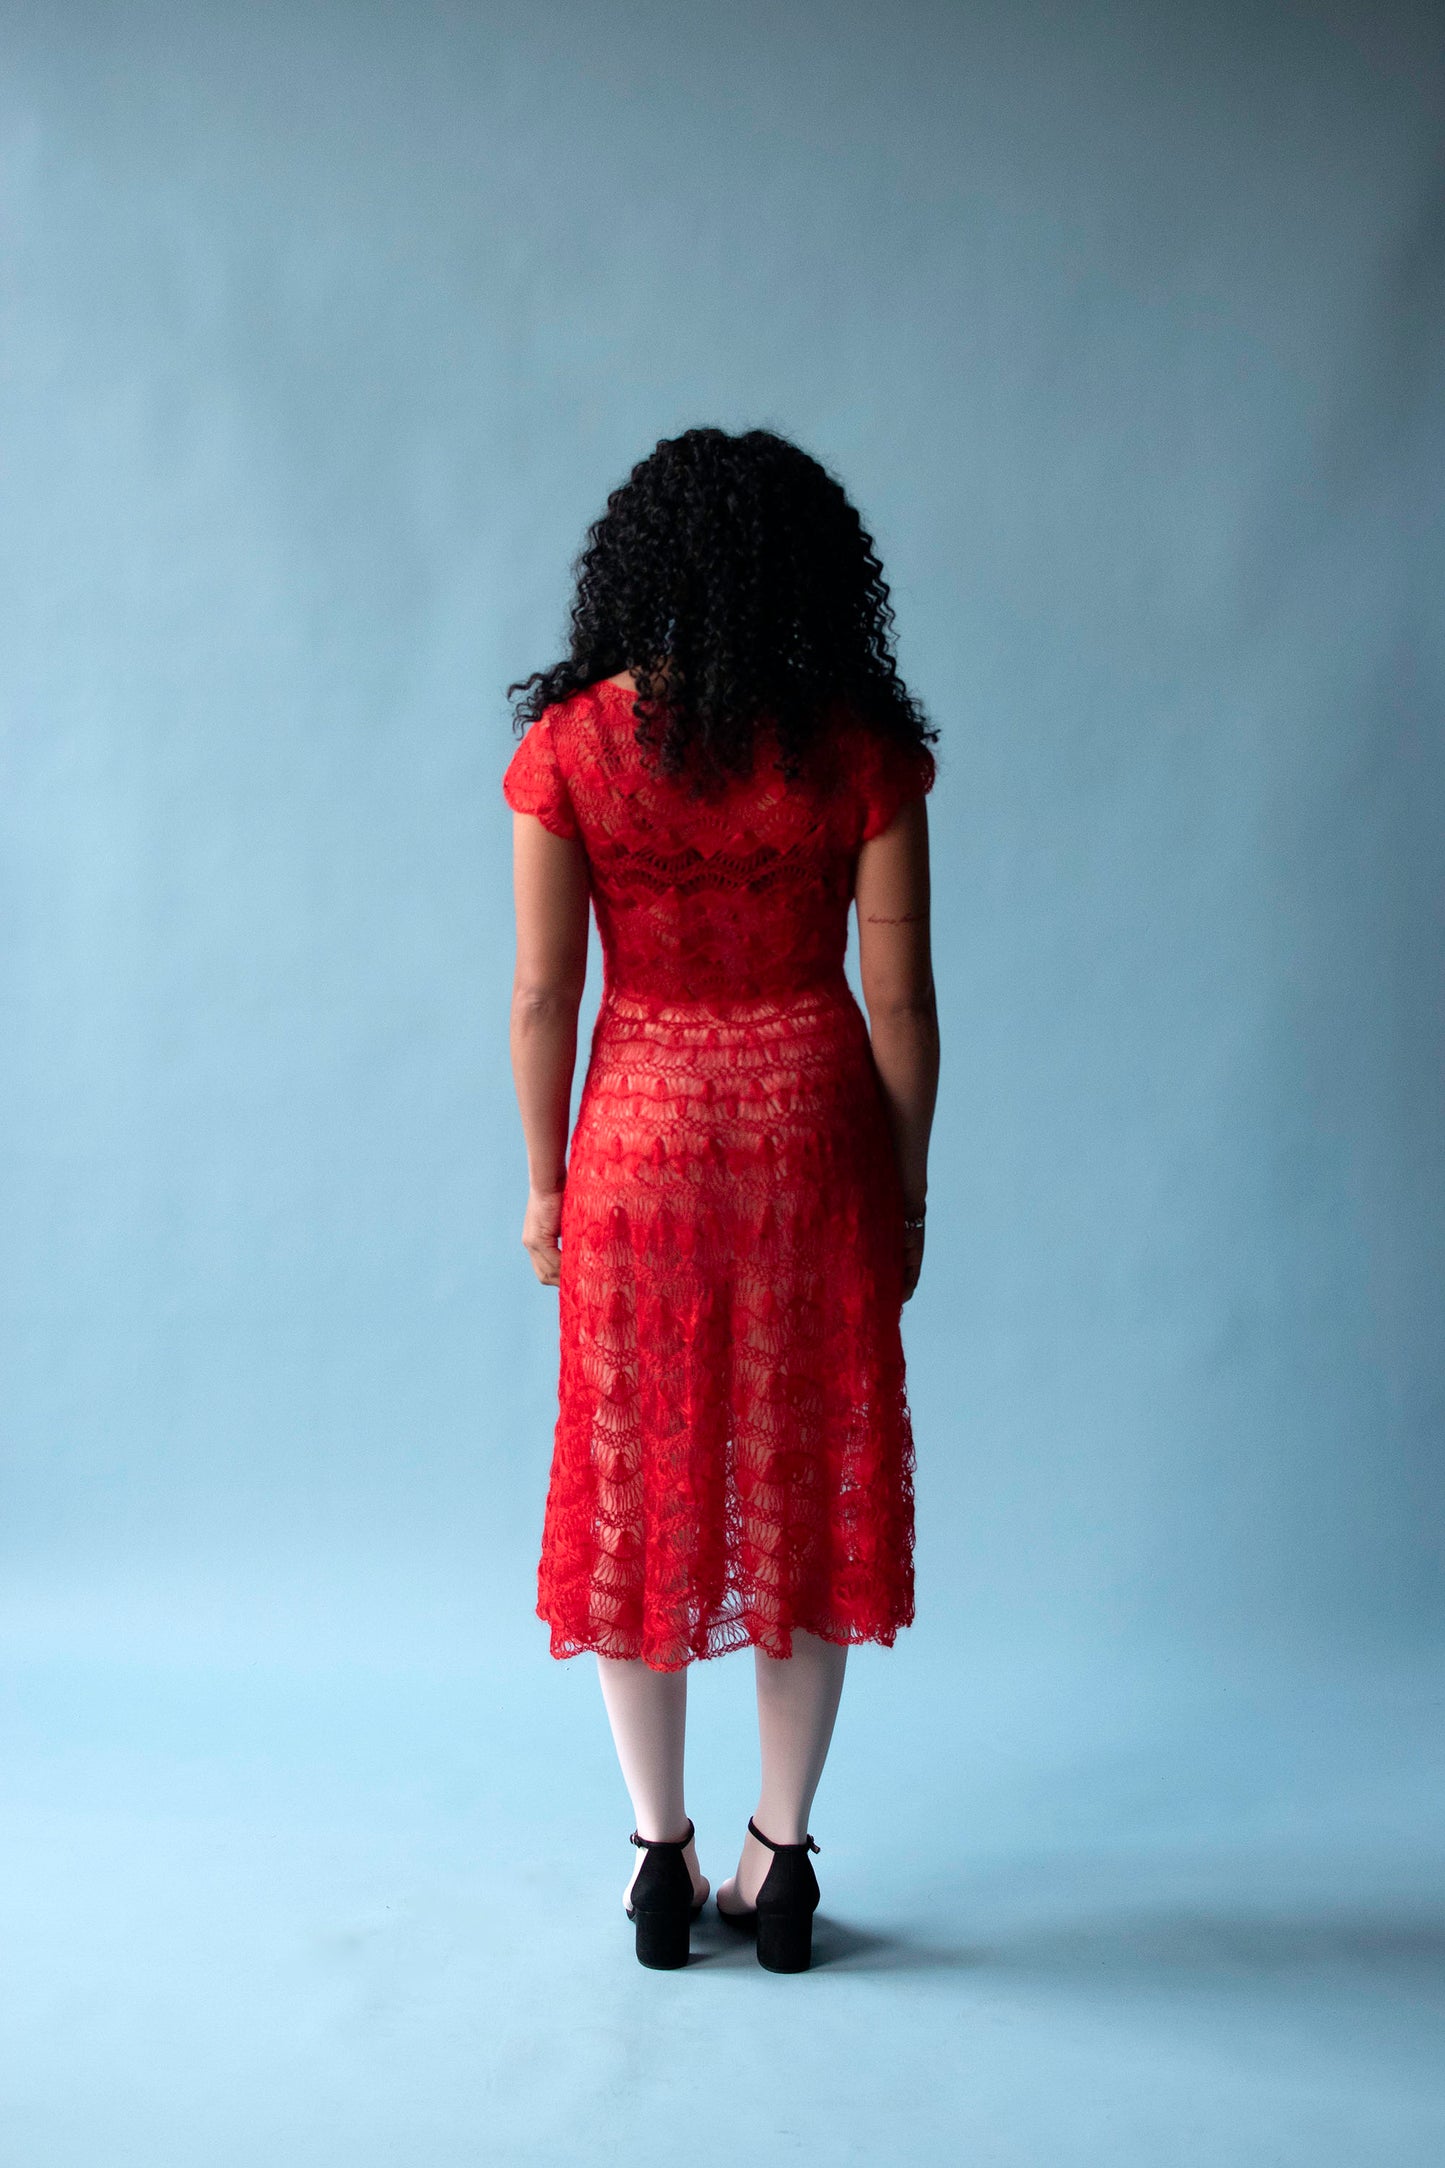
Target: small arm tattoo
909, 918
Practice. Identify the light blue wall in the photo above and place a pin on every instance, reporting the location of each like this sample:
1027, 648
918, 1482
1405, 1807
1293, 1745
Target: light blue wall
327, 328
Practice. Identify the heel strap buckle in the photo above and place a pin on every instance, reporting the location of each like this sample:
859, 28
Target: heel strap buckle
807, 1844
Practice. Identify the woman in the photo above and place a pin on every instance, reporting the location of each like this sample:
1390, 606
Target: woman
725, 760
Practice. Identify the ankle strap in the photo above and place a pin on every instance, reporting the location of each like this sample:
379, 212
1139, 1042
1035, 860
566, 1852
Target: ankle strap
664, 1844
807, 1844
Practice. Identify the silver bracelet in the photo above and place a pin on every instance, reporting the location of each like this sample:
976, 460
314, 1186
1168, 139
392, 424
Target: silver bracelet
912, 1226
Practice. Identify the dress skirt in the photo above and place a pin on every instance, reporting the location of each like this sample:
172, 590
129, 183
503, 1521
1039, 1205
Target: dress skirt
733, 1456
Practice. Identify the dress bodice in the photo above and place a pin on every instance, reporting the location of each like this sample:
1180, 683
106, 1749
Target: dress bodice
737, 897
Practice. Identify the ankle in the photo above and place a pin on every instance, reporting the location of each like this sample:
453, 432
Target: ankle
647, 1832
782, 1828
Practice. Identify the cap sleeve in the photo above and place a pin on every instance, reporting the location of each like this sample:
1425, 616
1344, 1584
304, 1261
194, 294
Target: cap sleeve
534, 782
891, 775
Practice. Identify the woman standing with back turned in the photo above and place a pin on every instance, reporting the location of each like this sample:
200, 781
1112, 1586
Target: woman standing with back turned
726, 760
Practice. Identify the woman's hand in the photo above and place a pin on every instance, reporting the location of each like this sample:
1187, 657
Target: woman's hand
540, 1231
912, 1259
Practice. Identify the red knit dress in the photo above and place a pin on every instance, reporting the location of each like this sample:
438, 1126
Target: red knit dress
733, 1455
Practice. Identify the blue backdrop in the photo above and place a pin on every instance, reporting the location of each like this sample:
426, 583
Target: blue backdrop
327, 329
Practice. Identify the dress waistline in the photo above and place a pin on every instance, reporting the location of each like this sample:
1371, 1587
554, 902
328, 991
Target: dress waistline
792, 1004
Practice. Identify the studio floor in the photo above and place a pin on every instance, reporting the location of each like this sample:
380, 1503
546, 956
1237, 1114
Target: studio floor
311, 1913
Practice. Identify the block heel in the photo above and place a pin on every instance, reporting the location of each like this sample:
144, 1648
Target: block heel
662, 1907
785, 1944
663, 1940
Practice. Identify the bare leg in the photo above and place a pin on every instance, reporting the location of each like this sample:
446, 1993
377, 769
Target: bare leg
648, 1713
798, 1700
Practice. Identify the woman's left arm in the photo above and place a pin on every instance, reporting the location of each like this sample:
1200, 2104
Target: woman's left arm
552, 886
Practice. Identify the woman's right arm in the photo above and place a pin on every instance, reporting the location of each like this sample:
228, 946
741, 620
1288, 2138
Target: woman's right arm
552, 895
895, 965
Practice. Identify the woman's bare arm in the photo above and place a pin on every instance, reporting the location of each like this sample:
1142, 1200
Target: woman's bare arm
895, 965
551, 885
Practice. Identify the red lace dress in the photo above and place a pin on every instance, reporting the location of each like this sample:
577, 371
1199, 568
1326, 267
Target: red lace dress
733, 1455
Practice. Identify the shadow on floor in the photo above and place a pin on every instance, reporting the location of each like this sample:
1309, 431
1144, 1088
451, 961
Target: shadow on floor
835, 1943
1181, 1941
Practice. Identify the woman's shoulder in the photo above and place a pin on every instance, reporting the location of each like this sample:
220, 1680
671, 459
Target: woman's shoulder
572, 748
884, 772
591, 707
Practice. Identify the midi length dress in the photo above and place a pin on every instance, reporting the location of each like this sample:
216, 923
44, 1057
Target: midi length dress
733, 1455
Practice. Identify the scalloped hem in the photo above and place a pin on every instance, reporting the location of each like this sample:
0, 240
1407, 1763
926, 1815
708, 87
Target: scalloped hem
723, 1640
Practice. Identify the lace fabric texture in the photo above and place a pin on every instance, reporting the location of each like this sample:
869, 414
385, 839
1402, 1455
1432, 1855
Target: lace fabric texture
733, 1455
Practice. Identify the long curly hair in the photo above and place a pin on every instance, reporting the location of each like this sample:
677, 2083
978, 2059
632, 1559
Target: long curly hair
733, 578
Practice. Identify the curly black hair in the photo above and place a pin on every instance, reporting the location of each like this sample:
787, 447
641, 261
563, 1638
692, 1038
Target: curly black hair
733, 578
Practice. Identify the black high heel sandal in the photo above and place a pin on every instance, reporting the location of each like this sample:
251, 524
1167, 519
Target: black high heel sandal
782, 1918
662, 1902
